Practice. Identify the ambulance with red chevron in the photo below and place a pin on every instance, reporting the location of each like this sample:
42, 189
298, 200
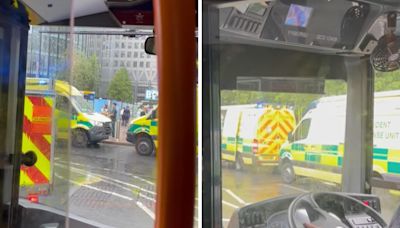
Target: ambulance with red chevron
47, 120
254, 135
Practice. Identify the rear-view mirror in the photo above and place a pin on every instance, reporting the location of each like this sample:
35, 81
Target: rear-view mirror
150, 45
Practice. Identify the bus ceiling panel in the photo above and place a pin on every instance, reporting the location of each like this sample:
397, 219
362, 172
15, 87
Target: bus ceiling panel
334, 27
94, 20
130, 13
53, 11
239, 64
133, 13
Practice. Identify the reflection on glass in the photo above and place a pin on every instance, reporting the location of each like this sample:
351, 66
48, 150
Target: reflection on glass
280, 144
81, 104
101, 176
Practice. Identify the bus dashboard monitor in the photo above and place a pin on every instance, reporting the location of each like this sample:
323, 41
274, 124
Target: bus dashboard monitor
298, 16
335, 25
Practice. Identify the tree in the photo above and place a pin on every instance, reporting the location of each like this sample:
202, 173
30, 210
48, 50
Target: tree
85, 72
121, 86
387, 81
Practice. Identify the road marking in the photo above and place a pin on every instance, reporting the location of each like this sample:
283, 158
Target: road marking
84, 172
146, 209
236, 197
110, 170
97, 189
226, 220
146, 197
139, 204
230, 204
295, 188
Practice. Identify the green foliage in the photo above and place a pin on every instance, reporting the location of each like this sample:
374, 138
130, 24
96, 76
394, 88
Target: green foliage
298, 101
121, 86
387, 81
335, 87
85, 72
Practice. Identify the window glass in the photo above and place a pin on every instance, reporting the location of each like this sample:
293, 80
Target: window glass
290, 119
62, 103
260, 161
100, 170
386, 127
301, 131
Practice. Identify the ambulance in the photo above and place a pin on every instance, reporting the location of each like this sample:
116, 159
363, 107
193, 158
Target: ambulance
316, 147
143, 132
47, 118
253, 136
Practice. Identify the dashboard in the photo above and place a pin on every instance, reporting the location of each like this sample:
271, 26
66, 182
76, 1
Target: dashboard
336, 25
273, 213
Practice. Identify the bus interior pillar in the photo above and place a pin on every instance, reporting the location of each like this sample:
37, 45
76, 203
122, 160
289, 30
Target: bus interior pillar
359, 120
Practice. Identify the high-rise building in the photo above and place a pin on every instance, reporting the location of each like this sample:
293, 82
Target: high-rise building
47, 53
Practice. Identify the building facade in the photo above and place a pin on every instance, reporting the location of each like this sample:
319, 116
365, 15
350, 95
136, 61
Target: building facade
47, 56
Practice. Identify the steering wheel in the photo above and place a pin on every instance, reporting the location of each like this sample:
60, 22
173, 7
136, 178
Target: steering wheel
305, 209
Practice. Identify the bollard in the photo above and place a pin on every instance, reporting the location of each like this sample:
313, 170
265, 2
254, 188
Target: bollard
117, 129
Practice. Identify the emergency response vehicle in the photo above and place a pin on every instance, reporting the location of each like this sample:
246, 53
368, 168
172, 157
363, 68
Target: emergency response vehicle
45, 120
253, 136
143, 132
316, 147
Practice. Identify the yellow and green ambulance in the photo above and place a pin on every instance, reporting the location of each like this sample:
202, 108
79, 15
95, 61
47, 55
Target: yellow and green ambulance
46, 120
143, 133
87, 126
316, 147
253, 136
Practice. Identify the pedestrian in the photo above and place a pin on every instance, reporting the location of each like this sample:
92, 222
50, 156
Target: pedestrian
143, 112
113, 116
104, 110
126, 116
121, 113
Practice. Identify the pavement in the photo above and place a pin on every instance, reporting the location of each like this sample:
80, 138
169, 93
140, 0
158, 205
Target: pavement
120, 138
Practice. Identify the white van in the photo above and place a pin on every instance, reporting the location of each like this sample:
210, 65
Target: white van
253, 136
317, 145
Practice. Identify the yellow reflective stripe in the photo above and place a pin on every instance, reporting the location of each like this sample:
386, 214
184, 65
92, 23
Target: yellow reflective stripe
394, 156
383, 166
298, 155
328, 159
15, 4
48, 138
341, 149
28, 108
24, 180
42, 164
49, 101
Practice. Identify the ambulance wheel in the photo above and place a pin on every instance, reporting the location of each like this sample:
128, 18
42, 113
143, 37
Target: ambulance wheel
287, 173
79, 138
144, 146
238, 162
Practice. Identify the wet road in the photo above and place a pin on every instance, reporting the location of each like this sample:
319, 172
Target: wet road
111, 185
114, 186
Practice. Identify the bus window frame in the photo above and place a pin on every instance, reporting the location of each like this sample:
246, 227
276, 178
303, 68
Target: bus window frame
356, 70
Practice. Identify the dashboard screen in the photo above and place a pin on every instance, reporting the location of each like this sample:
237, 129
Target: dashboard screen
298, 16
321, 23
